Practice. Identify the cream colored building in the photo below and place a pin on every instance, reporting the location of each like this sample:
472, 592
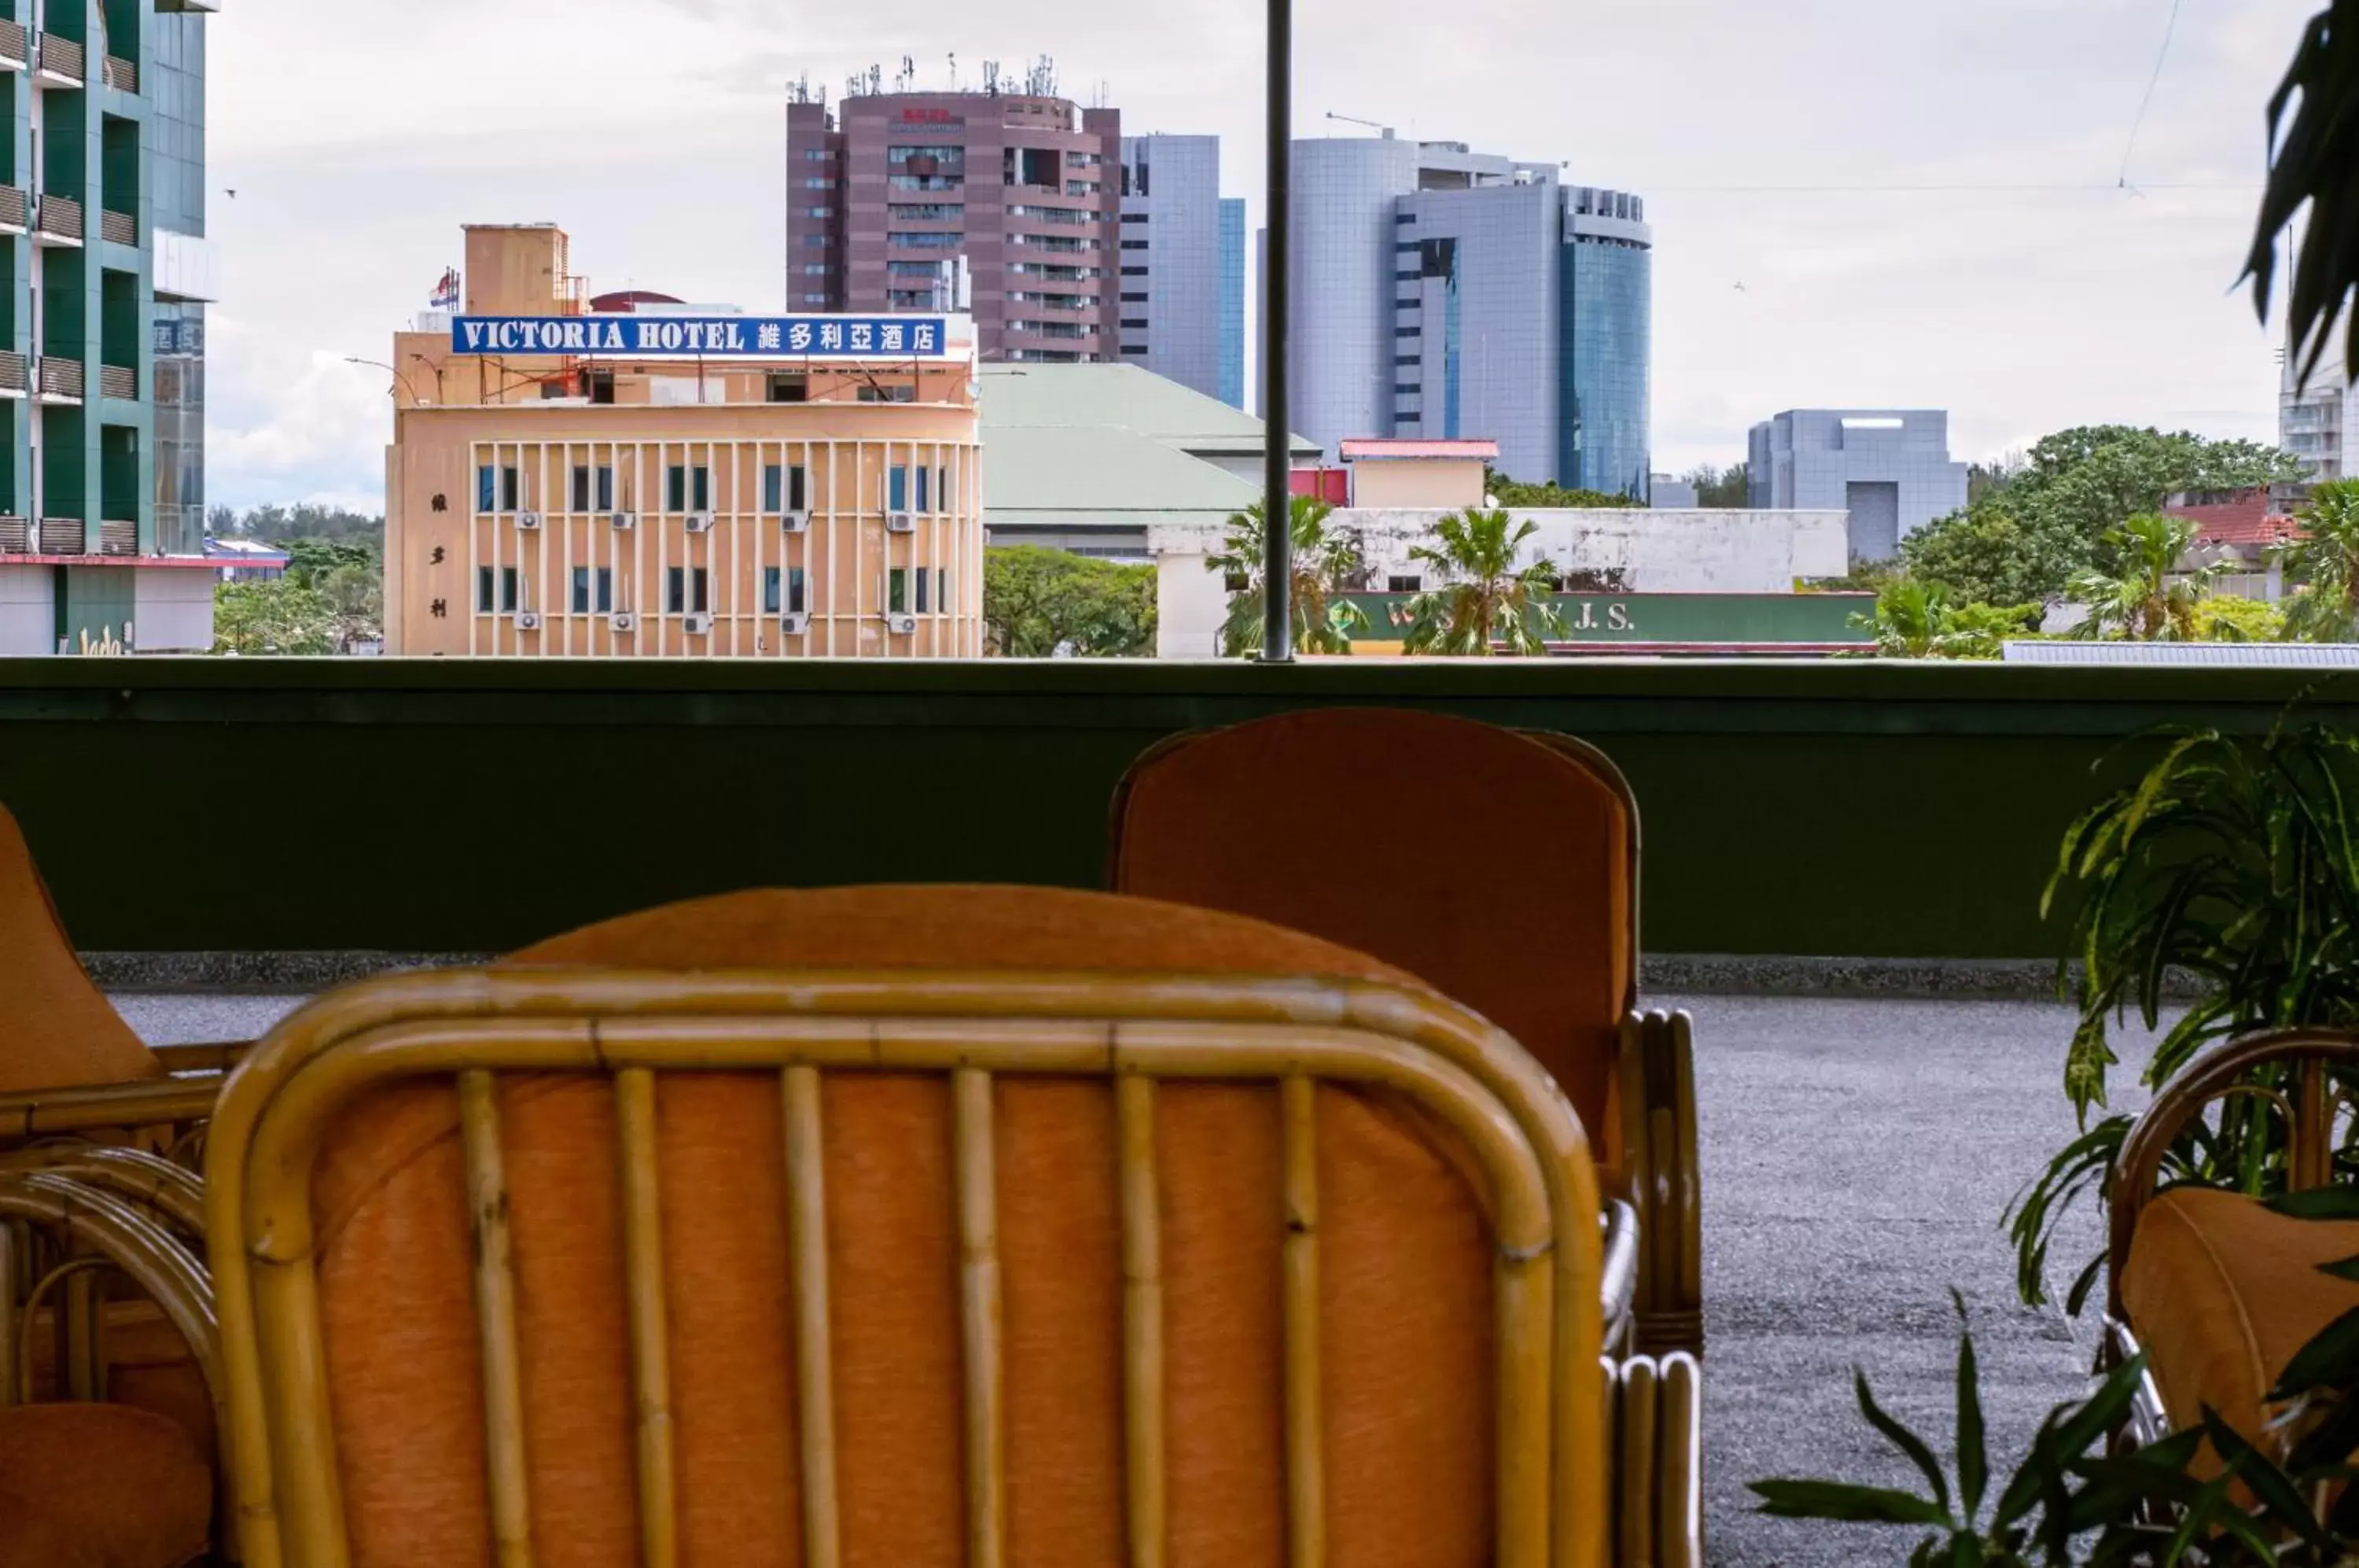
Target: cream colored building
608, 499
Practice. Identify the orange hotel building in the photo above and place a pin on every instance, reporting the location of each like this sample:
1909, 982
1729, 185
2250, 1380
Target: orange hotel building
649, 481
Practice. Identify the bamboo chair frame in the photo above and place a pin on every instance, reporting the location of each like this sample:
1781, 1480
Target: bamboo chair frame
165, 1115
1656, 1074
1554, 1398
2220, 1073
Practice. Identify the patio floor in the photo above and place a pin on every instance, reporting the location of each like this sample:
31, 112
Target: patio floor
1856, 1158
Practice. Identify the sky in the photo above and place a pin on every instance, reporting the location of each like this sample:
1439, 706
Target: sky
1855, 203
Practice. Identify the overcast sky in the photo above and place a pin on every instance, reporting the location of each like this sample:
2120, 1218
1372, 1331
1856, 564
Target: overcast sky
360, 136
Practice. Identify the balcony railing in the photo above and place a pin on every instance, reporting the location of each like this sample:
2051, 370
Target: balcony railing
63, 56
120, 72
15, 210
61, 377
119, 228
63, 535
118, 536
11, 373
16, 536
118, 381
60, 216
12, 46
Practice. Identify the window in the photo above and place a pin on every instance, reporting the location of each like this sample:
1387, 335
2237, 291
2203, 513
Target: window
1411, 387
1133, 245
1133, 320
915, 268
924, 503
482, 590
896, 488
1409, 277
943, 589
1134, 298
925, 181
769, 590
819, 212
816, 154
600, 386
678, 488
1080, 187
1408, 359
789, 387
815, 269
685, 589
594, 496
1409, 332
795, 590
1134, 217
1133, 348
896, 588
495, 488
817, 181
926, 242
584, 580
887, 393
1405, 246
1133, 272
782, 488
921, 591
924, 212
1403, 217
1404, 584
698, 582
808, 299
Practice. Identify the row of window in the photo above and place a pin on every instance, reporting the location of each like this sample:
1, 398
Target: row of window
1057, 242
1058, 274
925, 181
687, 487
924, 240
688, 590
1053, 214
924, 212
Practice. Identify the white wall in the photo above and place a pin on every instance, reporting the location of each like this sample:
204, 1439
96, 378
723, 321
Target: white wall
28, 613
172, 609
1190, 602
1655, 552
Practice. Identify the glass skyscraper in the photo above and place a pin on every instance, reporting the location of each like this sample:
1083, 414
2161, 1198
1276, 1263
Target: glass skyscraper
1232, 302
1605, 324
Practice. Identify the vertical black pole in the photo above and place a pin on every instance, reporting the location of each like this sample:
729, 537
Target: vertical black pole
1277, 460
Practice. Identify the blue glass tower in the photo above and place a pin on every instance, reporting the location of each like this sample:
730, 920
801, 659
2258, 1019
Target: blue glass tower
1232, 302
1605, 324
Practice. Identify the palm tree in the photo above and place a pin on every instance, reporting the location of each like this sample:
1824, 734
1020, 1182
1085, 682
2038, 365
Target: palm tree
2151, 595
1916, 619
2325, 561
1484, 596
1327, 564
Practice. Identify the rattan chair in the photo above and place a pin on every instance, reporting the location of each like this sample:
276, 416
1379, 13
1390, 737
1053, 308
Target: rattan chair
69, 1066
2218, 1289
924, 1226
1499, 866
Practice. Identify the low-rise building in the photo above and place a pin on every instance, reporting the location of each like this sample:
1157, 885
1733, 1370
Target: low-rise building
669, 480
1888, 468
1397, 474
2240, 533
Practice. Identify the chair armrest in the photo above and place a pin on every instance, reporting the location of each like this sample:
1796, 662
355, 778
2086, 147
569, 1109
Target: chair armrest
146, 1102
1659, 1152
1618, 1287
2225, 1070
207, 1056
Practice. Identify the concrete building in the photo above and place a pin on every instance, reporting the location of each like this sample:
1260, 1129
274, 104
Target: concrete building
1732, 554
890, 192
2318, 421
1182, 292
1439, 293
669, 480
1093, 458
1393, 474
101, 337
1888, 468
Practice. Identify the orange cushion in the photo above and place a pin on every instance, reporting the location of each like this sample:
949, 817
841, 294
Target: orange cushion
98, 1486
1486, 862
2222, 1290
1405, 1262
148, 1367
57, 1032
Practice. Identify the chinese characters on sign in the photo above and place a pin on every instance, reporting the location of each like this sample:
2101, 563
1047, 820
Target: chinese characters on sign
705, 336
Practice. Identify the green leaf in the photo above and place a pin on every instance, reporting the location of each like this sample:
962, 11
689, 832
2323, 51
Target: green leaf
2269, 1484
2332, 1356
2320, 1203
1973, 1457
1835, 1501
1901, 1438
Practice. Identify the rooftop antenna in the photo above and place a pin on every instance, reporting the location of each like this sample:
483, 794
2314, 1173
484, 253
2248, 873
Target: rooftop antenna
991, 77
906, 75
1386, 131
954, 86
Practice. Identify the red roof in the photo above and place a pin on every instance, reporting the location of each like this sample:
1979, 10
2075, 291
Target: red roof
1376, 446
2249, 519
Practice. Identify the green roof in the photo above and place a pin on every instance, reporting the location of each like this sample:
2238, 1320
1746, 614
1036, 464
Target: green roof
1127, 395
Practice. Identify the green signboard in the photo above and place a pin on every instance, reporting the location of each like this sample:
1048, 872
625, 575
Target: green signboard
1719, 622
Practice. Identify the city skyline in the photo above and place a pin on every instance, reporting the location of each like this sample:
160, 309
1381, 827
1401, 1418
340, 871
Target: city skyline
1993, 268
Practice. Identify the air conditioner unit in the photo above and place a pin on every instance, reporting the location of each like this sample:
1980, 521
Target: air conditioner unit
700, 522
696, 625
528, 520
527, 620
900, 625
900, 522
794, 622
795, 522
622, 621
622, 520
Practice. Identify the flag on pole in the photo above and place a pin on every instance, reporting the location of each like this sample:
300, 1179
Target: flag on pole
446, 292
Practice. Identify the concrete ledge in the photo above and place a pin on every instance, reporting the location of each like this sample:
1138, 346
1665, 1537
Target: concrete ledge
1687, 975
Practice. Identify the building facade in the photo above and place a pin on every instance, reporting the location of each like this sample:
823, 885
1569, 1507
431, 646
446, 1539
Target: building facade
670, 483
1889, 469
2317, 420
103, 272
1177, 294
1009, 205
1232, 302
1442, 294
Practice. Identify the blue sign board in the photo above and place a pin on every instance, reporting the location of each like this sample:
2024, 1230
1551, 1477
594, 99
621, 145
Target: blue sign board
711, 337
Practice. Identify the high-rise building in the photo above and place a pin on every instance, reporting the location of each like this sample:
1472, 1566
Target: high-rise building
1888, 468
1441, 293
103, 275
1006, 204
1182, 293
1232, 302
2317, 420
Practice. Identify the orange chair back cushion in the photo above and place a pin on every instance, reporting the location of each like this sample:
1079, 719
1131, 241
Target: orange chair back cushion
1489, 864
1405, 1253
57, 1032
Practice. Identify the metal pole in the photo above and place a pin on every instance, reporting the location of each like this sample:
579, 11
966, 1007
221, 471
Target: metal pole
1277, 460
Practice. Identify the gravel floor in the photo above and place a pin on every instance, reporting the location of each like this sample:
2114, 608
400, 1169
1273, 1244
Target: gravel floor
1858, 1156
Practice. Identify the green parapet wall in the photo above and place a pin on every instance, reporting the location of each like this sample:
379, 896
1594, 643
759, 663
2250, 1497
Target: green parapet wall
1703, 621
1832, 807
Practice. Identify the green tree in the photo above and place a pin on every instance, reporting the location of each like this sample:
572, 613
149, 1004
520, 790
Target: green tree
1505, 492
1983, 555
2225, 617
1722, 488
280, 616
2324, 562
1917, 619
280, 524
1327, 564
1485, 597
1042, 604
2150, 594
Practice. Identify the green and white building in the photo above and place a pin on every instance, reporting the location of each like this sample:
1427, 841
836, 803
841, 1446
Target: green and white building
104, 274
